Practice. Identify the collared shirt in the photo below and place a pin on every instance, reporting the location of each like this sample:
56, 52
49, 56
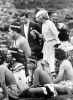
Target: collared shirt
49, 30
26, 28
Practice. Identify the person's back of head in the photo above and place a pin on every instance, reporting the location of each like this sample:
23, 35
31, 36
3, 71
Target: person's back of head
63, 35
60, 54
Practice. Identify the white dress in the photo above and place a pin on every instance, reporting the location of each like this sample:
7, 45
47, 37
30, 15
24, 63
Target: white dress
50, 35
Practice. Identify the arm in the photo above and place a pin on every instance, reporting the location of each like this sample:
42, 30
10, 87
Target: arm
27, 51
3, 84
60, 75
36, 78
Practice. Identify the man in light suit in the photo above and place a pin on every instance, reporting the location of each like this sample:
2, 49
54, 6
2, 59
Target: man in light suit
50, 37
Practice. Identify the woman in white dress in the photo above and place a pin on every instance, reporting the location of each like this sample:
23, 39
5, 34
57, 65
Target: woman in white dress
50, 37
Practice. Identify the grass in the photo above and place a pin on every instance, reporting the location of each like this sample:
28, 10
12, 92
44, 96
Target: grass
60, 4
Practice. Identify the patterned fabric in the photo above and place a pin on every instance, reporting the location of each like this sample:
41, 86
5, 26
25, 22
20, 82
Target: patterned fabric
49, 90
13, 91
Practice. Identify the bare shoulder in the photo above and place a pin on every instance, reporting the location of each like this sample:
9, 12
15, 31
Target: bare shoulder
2, 73
66, 64
4, 69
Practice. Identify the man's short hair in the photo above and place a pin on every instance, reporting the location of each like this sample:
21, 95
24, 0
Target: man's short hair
60, 54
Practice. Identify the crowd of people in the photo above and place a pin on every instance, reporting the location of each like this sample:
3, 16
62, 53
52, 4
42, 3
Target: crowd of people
39, 57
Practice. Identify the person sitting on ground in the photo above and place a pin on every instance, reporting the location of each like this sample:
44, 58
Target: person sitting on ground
7, 81
62, 83
20, 42
18, 69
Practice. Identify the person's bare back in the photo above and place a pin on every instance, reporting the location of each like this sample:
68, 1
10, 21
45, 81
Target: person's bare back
9, 77
68, 70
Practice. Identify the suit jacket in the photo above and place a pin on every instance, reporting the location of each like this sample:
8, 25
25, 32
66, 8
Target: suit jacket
35, 44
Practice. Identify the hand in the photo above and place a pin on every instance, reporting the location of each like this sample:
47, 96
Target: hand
33, 34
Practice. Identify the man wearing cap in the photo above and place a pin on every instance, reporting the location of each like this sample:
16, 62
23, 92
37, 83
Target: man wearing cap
50, 37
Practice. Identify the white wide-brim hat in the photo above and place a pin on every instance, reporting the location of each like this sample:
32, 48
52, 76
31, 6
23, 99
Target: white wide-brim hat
42, 13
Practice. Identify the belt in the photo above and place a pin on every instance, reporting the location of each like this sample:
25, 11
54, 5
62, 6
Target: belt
51, 40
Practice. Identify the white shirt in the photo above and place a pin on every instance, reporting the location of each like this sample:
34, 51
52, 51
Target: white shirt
49, 30
26, 28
